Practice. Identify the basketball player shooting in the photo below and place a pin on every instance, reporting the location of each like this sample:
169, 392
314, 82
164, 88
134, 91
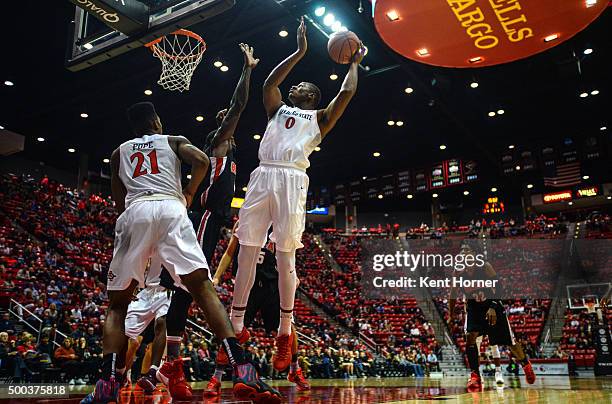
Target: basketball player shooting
153, 221
277, 189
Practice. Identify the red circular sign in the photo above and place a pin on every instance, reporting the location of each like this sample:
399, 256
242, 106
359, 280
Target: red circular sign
476, 33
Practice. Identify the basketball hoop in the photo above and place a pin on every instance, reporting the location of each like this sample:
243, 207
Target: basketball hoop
180, 54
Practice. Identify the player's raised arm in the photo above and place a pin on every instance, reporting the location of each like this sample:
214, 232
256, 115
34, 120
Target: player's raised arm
271, 93
227, 258
196, 158
239, 99
329, 116
117, 187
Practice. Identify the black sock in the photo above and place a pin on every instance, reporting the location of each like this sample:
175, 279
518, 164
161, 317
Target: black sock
472, 354
234, 351
525, 361
294, 358
109, 366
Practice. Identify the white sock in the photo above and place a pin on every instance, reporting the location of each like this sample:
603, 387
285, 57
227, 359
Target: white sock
286, 287
245, 277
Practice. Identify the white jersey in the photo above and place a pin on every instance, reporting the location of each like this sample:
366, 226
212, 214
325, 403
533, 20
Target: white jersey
291, 136
150, 169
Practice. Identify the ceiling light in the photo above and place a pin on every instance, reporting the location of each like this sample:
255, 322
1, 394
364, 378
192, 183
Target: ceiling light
492, 113
476, 59
511, 147
336, 26
590, 3
517, 168
283, 33
603, 128
256, 137
434, 196
364, 178
320, 11
474, 84
9, 83
584, 95
399, 123
390, 123
529, 186
188, 176
317, 148
106, 161
408, 90
1, 127
409, 196
329, 19
551, 37
423, 52
88, 46
466, 193
376, 154
224, 68
493, 189
84, 115
594, 92
199, 118
333, 76
148, 92
500, 111
608, 197
585, 177
41, 139
442, 147
71, 150
218, 64
588, 51
380, 196
392, 15
344, 29
570, 203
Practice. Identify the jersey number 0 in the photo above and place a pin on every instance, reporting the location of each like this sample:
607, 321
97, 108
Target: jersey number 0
140, 158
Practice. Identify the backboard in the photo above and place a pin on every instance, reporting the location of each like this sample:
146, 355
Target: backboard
103, 29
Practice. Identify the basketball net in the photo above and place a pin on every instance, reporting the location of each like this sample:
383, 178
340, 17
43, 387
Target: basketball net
590, 307
180, 54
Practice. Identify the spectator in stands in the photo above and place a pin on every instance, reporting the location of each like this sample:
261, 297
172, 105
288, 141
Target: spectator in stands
66, 359
191, 366
432, 362
6, 324
45, 346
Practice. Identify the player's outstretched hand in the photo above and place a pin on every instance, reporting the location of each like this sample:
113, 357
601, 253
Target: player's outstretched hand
358, 56
249, 60
302, 42
491, 316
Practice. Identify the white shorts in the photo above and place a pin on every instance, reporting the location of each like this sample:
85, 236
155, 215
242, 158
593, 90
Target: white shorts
153, 228
152, 303
275, 196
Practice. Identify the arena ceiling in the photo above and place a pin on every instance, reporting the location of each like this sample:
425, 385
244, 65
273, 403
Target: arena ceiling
539, 95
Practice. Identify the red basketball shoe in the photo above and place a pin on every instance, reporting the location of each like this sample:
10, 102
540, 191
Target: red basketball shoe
213, 389
529, 374
242, 338
282, 358
300, 381
171, 374
475, 383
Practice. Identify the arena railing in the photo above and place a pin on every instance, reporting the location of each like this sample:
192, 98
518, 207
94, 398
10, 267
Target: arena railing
202, 330
17, 309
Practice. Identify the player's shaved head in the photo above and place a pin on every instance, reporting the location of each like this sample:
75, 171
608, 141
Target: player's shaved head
143, 118
316, 94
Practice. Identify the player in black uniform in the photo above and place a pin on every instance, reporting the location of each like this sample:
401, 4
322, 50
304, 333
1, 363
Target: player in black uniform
485, 315
265, 299
216, 198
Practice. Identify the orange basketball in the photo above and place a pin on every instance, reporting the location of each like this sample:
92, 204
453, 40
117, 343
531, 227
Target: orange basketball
342, 46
